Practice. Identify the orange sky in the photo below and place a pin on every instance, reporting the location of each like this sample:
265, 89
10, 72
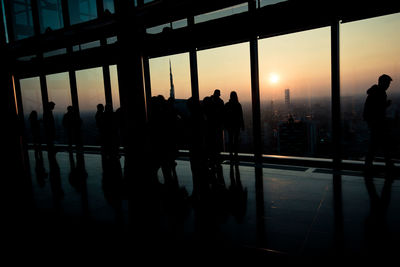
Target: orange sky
300, 60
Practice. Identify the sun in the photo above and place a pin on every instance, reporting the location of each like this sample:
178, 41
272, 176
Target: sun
273, 78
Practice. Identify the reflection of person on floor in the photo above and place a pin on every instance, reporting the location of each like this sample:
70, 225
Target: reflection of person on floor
377, 234
238, 194
375, 115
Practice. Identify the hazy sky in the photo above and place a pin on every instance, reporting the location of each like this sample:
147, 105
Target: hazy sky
299, 61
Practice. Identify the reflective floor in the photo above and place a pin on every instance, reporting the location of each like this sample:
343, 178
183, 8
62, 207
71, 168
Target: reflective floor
274, 212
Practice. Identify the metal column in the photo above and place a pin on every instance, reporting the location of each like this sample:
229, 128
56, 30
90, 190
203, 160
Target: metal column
255, 89
336, 113
194, 77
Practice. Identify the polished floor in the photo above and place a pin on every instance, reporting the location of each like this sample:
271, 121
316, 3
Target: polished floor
274, 212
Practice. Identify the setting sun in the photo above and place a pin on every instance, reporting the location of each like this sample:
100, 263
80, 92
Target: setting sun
273, 78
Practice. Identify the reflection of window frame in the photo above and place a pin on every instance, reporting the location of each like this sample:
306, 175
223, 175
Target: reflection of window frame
75, 12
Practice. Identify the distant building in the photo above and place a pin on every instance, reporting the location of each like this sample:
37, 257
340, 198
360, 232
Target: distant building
171, 81
287, 97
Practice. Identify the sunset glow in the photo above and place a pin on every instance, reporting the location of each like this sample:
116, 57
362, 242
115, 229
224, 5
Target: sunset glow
273, 78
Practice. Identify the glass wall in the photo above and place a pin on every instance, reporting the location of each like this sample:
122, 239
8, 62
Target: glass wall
90, 93
22, 21
31, 101
82, 10
369, 48
50, 15
295, 93
227, 68
58, 88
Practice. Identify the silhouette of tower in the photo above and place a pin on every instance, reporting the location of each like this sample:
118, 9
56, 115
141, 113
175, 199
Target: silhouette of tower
171, 81
287, 97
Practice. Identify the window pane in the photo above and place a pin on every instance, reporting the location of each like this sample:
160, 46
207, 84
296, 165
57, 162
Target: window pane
369, 48
58, 88
22, 19
228, 69
31, 101
109, 5
295, 90
82, 10
50, 15
229, 11
162, 81
90, 93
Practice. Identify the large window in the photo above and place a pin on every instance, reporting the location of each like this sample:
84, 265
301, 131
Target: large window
295, 93
82, 10
228, 69
58, 88
90, 93
22, 22
369, 48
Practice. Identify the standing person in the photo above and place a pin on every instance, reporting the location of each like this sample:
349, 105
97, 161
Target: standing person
100, 122
217, 123
50, 127
72, 124
233, 124
375, 115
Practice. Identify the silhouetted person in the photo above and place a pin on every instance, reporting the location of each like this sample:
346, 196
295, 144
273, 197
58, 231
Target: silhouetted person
162, 134
50, 128
100, 122
375, 115
217, 122
233, 124
72, 125
35, 131
110, 133
196, 124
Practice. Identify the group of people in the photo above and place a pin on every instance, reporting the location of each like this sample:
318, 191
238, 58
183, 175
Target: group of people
205, 124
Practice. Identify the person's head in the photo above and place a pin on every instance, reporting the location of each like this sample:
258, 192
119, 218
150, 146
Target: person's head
384, 81
33, 115
217, 93
234, 97
70, 109
51, 105
100, 107
108, 108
